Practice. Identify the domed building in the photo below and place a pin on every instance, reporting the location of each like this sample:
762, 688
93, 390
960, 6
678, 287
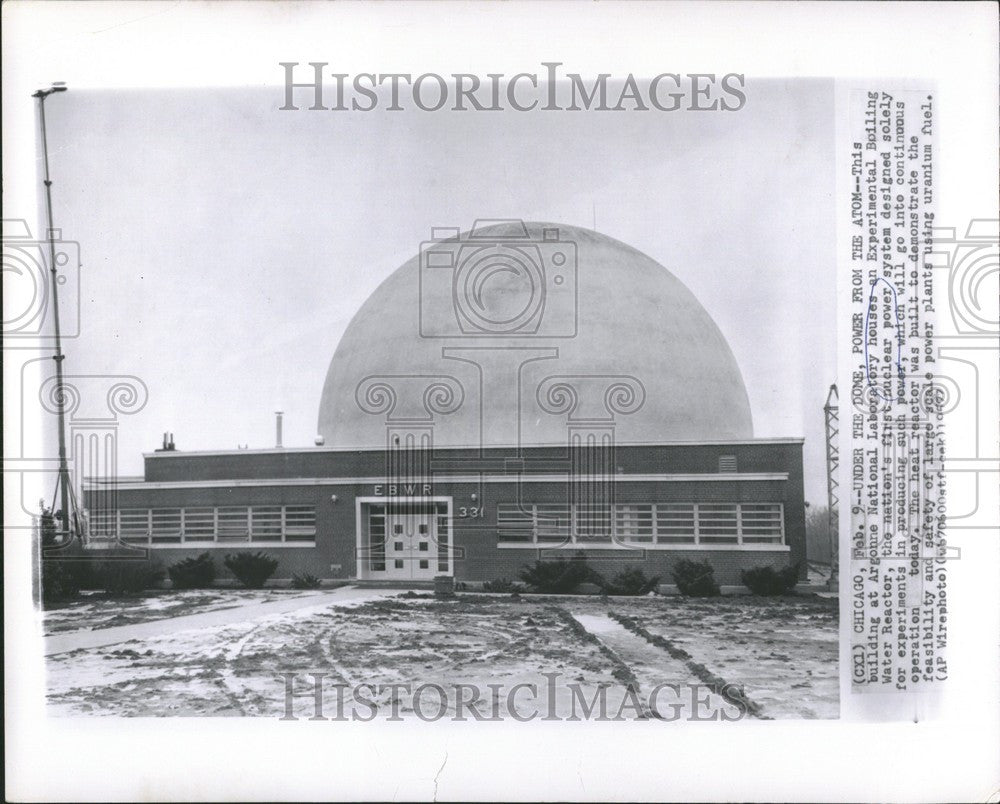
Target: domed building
513, 393
494, 319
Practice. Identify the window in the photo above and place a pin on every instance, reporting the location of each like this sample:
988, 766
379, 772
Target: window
199, 524
166, 525
675, 523
760, 523
422, 529
717, 523
103, 522
423, 547
300, 523
672, 523
134, 524
376, 538
634, 523
593, 523
398, 563
553, 522
223, 525
442, 537
515, 523
265, 523
234, 524
424, 563
397, 545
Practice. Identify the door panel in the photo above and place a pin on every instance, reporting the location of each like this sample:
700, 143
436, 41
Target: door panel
411, 543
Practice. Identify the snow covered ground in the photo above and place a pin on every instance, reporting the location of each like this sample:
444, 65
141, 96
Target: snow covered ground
782, 651
95, 611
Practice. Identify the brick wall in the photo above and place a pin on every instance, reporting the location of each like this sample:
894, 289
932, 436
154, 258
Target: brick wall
477, 555
760, 456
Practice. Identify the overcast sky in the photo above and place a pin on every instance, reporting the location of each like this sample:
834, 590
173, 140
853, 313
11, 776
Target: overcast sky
226, 244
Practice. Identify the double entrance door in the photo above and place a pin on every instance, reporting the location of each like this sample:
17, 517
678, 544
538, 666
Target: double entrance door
411, 545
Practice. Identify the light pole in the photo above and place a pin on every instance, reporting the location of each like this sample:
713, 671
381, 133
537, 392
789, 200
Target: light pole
63, 494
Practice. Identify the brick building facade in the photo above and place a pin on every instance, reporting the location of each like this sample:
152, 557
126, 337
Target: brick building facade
474, 514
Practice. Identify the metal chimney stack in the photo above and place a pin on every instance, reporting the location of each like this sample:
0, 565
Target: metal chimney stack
277, 427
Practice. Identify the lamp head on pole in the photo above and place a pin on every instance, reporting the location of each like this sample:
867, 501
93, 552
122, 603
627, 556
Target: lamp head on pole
57, 86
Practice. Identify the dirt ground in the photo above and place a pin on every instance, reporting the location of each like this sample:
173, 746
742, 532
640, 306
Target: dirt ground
476, 657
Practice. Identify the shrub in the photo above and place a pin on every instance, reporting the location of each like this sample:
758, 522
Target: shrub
630, 581
305, 581
63, 579
64, 576
47, 527
251, 569
504, 585
770, 582
62, 573
193, 573
560, 576
695, 578
127, 576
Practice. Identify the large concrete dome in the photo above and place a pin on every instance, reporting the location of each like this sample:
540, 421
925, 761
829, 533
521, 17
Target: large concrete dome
517, 334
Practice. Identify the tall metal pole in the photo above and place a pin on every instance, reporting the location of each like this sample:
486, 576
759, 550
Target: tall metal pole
64, 517
831, 411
